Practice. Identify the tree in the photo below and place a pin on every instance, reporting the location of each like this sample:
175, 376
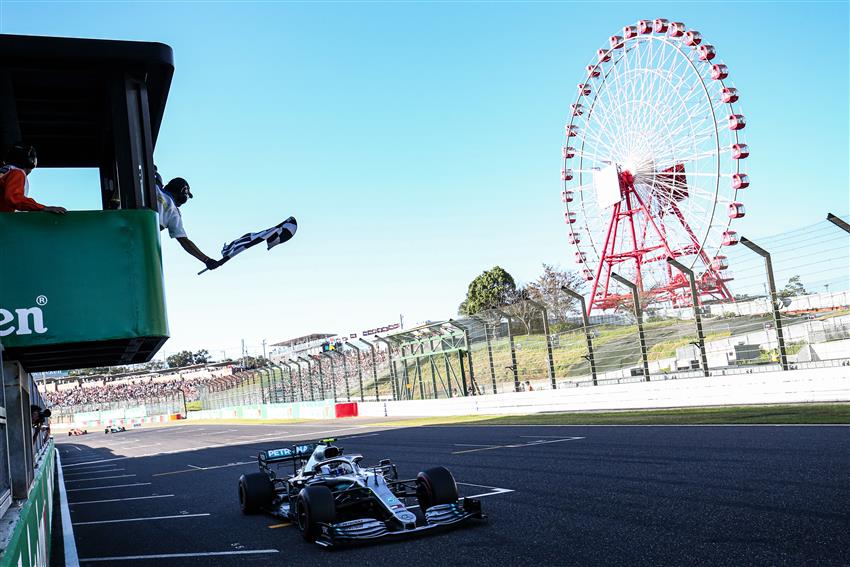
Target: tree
793, 288
519, 307
548, 291
187, 358
492, 289
182, 358
201, 357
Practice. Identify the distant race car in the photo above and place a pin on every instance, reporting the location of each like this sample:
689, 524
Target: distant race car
335, 500
114, 429
77, 431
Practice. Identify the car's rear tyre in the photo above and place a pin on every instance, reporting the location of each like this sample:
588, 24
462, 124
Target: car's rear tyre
435, 486
315, 505
256, 491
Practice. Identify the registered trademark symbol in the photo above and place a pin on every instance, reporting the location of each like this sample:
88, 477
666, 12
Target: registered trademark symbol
41, 300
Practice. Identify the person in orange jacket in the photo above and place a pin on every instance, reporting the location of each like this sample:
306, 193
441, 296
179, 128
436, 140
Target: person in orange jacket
14, 183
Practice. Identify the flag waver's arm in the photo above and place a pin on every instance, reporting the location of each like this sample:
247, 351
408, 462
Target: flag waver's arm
193, 250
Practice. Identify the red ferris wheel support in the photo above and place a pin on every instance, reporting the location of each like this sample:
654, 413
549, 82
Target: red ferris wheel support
632, 214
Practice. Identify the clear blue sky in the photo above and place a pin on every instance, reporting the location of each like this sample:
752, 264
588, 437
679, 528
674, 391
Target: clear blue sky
418, 144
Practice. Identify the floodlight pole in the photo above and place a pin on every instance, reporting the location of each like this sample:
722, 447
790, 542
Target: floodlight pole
837, 221
771, 285
639, 317
359, 370
489, 351
585, 321
697, 316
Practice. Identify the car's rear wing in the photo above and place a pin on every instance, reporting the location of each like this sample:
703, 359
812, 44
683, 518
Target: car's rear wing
300, 452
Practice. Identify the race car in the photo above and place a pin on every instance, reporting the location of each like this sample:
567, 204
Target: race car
335, 500
114, 429
77, 431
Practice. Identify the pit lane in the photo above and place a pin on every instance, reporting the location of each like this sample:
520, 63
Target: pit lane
554, 495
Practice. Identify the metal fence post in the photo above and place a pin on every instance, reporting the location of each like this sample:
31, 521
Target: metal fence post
468, 357
585, 321
550, 358
333, 374
513, 351
489, 351
300, 379
292, 382
375, 366
771, 285
359, 368
697, 316
639, 317
312, 380
344, 373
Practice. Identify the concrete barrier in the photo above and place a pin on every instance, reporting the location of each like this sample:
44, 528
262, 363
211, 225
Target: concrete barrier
797, 386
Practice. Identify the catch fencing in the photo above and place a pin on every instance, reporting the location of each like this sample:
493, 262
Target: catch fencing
801, 321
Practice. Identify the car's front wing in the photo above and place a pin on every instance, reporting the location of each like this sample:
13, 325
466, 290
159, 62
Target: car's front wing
368, 529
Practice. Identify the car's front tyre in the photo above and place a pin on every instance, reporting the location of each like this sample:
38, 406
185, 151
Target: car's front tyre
256, 491
435, 486
315, 505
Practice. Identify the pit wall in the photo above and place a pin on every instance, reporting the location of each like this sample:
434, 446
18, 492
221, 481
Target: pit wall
28, 544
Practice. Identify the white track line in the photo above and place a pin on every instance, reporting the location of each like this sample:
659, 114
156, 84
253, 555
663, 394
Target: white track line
112, 486
122, 499
93, 472
101, 478
68, 541
177, 555
147, 519
517, 445
195, 469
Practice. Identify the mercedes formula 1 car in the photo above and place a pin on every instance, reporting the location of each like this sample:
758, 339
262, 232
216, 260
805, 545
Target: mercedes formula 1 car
114, 429
334, 499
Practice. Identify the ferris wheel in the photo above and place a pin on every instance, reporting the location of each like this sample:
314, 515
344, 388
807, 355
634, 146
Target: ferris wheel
654, 165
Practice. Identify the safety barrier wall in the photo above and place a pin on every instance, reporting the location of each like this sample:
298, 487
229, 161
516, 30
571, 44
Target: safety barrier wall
28, 545
324, 409
796, 386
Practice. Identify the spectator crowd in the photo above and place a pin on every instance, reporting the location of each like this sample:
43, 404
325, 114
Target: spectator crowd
139, 390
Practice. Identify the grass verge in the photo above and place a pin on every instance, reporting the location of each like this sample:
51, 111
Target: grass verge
799, 414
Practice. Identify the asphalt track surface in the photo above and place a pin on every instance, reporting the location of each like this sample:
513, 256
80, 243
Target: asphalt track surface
569, 495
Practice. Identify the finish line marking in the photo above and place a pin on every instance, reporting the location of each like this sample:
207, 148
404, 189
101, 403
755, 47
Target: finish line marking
518, 445
176, 555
